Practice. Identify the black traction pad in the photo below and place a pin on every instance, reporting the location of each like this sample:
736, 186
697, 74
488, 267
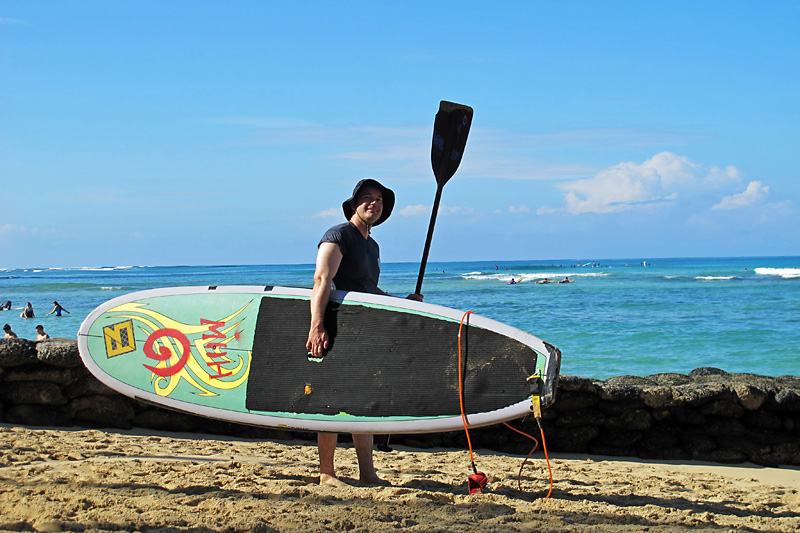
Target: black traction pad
382, 363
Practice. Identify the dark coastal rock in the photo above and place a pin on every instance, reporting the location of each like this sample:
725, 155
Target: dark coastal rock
581, 417
670, 379
762, 420
728, 407
32, 392
87, 385
38, 372
15, 352
620, 392
620, 438
574, 400
161, 419
706, 372
697, 443
102, 411
621, 381
658, 439
708, 414
659, 397
577, 384
722, 426
633, 420
721, 456
59, 352
750, 396
36, 415
786, 400
697, 394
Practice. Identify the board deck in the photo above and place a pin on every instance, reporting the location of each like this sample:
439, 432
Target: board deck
237, 353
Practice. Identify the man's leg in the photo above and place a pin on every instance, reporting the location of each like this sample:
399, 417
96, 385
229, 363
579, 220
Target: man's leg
366, 467
326, 447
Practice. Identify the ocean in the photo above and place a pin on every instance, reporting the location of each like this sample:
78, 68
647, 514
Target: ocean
617, 317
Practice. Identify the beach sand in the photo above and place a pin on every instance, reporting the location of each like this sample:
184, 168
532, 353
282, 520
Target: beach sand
91, 480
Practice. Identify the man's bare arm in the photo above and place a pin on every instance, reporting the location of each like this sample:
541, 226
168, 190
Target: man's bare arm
329, 257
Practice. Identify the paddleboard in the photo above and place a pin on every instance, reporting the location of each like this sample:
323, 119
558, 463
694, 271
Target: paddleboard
237, 353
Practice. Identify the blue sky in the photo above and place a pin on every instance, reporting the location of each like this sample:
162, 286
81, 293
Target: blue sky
214, 132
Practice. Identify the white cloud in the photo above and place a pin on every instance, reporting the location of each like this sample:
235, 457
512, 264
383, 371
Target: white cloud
419, 210
519, 209
755, 193
415, 210
328, 213
658, 181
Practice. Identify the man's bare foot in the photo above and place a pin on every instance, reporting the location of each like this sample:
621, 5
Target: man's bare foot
327, 479
374, 481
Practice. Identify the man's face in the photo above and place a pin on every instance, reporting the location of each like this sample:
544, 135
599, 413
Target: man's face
369, 204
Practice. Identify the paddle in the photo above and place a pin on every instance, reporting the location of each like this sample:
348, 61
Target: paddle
450, 130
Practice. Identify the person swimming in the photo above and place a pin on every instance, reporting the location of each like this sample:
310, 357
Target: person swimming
57, 309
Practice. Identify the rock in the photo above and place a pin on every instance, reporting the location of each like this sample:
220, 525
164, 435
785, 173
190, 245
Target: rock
628, 380
573, 400
577, 384
704, 373
39, 372
102, 411
658, 439
619, 438
15, 352
32, 392
727, 407
162, 419
723, 426
670, 379
750, 396
632, 420
697, 394
620, 393
59, 352
88, 385
35, 415
786, 400
762, 419
582, 417
659, 397
697, 443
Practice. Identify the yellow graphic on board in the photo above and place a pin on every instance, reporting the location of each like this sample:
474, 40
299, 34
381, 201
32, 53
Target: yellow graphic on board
196, 354
119, 338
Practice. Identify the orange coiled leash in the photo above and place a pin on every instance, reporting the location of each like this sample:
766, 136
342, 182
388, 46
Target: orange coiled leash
536, 445
477, 480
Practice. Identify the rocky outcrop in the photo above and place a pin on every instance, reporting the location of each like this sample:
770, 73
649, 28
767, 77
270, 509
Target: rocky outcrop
709, 414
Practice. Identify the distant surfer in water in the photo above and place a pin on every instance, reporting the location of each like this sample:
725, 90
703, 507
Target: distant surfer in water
348, 258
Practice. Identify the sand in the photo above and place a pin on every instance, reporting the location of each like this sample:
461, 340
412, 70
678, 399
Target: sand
90, 480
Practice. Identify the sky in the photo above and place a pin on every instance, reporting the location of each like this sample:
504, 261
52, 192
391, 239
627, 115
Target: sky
211, 132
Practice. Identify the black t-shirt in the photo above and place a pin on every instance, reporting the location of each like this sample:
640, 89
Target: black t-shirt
361, 261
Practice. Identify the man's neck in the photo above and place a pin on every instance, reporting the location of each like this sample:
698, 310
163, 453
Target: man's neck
360, 225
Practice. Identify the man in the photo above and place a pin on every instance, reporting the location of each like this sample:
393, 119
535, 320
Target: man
40, 334
9, 334
349, 258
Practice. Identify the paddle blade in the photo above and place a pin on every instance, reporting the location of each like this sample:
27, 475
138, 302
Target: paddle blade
450, 130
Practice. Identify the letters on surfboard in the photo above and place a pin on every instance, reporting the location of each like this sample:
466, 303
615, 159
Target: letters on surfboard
238, 353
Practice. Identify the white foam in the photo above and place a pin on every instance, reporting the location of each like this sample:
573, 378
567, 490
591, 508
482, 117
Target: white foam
782, 272
715, 278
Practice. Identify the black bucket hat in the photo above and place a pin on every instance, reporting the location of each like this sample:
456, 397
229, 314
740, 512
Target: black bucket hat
388, 200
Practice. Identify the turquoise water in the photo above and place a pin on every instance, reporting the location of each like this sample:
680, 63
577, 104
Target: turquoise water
617, 317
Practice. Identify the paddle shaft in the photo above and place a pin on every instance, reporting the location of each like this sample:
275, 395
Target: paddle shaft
424, 261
